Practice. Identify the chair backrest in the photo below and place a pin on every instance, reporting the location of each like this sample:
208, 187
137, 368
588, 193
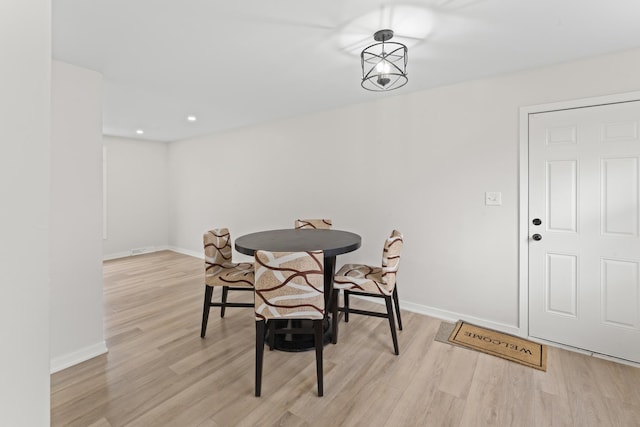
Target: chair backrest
391, 257
324, 224
289, 285
217, 250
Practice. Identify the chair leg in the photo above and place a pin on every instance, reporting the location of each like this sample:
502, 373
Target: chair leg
319, 342
334, 317
397, 304
208, 292
272, 333
225, 292
346, 306
259, 354
392, 325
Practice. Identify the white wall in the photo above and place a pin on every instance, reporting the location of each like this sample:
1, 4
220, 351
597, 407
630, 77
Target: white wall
77, 331
137, 196
25, 82
420, 163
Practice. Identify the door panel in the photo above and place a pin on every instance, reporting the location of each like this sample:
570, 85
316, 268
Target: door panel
584, 272
620, 196
562, 195
562, 284
620, 292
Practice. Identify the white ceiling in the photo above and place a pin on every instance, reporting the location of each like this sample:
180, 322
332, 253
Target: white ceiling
243, 62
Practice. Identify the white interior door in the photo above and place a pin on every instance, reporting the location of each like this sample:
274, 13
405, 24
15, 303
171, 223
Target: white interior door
584, 271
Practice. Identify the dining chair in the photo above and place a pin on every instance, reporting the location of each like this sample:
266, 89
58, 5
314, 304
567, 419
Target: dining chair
222, 272
373, 281
289, 285
324, 224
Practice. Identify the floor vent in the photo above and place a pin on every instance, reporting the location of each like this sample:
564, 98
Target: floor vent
140, 251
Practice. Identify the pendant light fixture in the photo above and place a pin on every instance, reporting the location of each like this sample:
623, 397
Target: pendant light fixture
384, 64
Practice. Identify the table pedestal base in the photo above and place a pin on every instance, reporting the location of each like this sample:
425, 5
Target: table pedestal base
298, 342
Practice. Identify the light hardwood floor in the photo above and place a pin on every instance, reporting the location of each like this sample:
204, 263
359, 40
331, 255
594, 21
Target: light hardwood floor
159, 372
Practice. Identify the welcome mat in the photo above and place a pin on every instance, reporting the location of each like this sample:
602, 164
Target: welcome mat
444, 332
501, 345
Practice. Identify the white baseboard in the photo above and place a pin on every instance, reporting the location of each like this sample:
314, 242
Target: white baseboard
134, 252
116, 255
151, 249
237, 257
182, 251
451, 316
79, 356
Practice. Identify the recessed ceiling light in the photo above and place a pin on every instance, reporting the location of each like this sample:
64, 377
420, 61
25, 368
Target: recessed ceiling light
192, 118
139, 131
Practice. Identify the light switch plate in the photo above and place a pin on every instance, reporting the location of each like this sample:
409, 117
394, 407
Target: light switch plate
493, 198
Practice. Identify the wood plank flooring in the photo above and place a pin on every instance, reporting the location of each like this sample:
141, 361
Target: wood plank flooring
159, 372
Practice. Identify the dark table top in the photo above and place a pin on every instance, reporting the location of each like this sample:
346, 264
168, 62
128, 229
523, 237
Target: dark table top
332, 242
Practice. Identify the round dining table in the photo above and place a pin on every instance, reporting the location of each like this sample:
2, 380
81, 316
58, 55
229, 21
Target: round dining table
331, 242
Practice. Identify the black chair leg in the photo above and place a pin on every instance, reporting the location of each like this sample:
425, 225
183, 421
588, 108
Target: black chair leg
392, 323
208, 292
259, 354
225, 292
272, 333
346, 306
334, 317
319, 342
397, 304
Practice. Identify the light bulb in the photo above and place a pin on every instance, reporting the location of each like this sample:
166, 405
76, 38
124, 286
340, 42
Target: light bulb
383, 68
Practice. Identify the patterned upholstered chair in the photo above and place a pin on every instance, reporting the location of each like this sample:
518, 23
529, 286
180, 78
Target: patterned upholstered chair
289, 285
373, 281
313, 223
221, 271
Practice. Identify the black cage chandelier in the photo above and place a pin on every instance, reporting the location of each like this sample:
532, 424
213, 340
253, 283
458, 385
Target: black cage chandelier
384, 64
